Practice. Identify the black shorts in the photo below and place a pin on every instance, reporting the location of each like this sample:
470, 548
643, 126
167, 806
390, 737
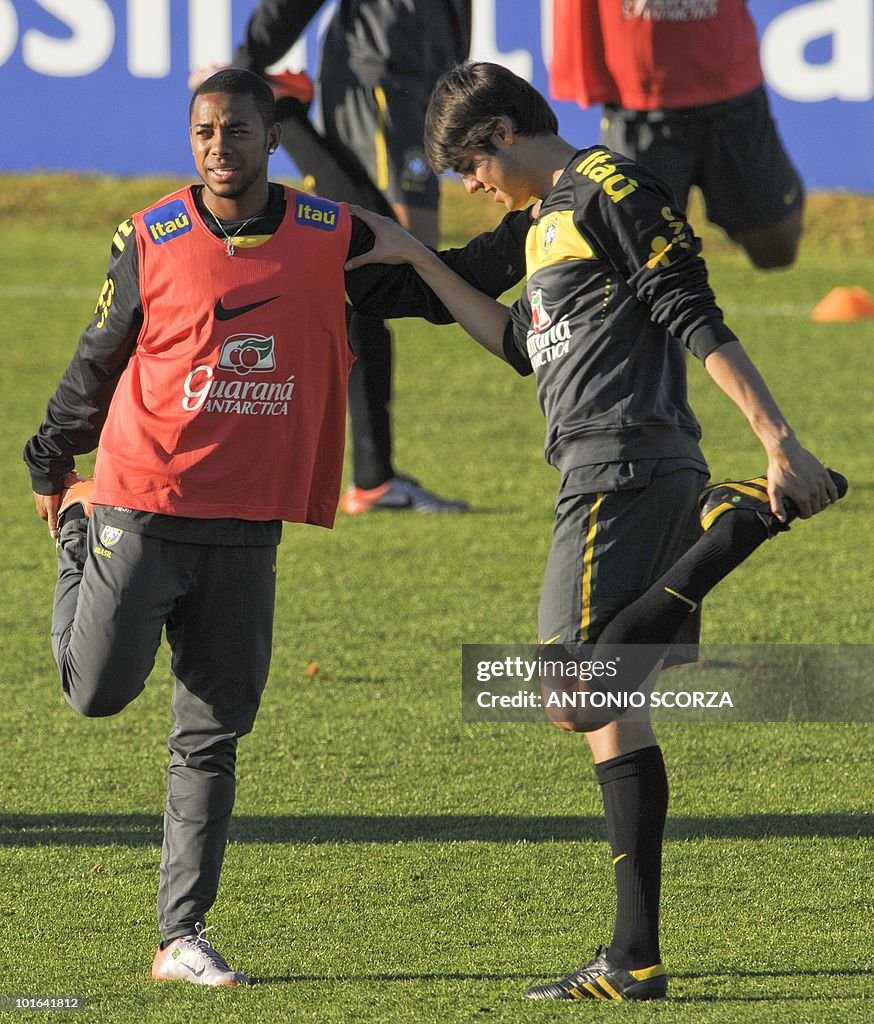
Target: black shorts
611, 542
730, 150
384, 126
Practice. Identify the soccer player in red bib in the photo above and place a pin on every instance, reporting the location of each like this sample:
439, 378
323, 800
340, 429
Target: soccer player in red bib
214, 375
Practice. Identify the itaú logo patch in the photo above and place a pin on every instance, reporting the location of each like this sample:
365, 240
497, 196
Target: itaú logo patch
316, 213
247, 353
168, 222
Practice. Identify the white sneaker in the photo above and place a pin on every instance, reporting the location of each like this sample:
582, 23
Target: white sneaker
192, 958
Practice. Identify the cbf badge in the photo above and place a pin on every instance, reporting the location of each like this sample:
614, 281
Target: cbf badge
110, 536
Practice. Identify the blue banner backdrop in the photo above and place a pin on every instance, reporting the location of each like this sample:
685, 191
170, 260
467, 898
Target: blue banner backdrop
100, 85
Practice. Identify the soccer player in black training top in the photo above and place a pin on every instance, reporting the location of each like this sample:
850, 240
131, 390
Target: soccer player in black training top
616, 288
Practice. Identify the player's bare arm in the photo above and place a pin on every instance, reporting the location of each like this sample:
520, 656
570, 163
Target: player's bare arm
793, 471
484, 319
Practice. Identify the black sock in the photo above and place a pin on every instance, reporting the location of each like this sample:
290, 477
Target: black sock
654, 618
634, 788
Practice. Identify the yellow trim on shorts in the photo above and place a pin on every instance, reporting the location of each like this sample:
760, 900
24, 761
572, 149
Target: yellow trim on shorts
380, 144
588, 559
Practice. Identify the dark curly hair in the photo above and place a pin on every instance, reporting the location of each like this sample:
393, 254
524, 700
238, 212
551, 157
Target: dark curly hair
466, 105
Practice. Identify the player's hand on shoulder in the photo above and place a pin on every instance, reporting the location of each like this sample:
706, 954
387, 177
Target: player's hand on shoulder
796, 473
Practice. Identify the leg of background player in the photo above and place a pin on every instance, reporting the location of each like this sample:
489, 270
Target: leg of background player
335, 172
774, 246
370, 386
421, 222
371, 376
369, 399
370, 380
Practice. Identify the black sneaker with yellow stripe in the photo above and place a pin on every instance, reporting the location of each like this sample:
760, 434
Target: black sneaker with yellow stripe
599, 979
752, 495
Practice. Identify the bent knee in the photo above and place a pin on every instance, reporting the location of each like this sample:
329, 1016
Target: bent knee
95, 705
582, 720
575, 725
577, 709
772, 248
777, 258
96, 700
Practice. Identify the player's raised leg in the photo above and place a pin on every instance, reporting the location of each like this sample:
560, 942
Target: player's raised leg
112, 590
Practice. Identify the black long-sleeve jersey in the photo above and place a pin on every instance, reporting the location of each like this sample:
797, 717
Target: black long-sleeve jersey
373, 38
492, 262
616, 287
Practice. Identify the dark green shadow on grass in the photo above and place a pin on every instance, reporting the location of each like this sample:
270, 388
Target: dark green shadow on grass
145, 830
284, 979
521, 981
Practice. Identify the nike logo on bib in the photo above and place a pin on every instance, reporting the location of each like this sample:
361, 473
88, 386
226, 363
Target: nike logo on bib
228, 314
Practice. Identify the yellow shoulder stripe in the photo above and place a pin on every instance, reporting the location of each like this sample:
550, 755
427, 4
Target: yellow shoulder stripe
555, 239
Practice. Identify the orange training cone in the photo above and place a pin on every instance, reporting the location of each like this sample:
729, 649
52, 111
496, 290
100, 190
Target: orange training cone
844, 304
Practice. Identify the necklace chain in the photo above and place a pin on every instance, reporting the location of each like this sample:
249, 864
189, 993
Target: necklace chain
229, 239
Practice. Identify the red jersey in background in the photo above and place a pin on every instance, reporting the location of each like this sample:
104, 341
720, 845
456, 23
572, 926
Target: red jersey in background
653, 54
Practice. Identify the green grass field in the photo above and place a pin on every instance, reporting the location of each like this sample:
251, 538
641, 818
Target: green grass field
389, 862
